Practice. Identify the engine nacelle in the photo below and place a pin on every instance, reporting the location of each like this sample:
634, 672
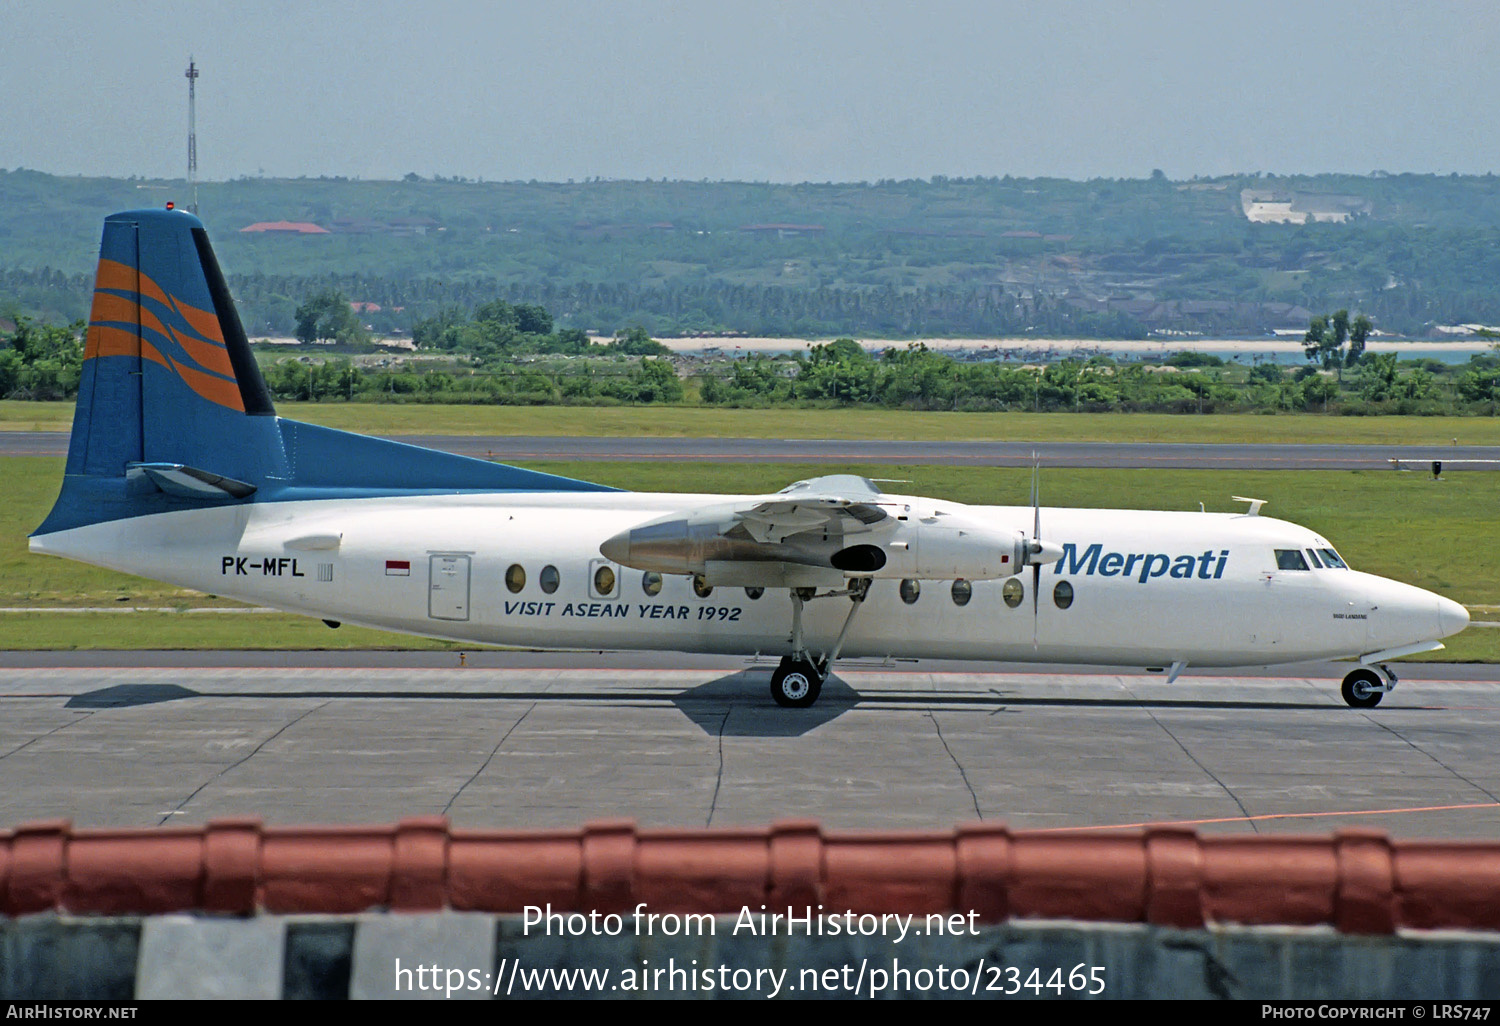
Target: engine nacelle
937, 548
941, 547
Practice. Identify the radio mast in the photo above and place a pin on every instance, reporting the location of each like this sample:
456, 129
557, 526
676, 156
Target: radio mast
192, 76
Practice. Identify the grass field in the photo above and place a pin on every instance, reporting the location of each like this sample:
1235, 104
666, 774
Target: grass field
698, 422
1405, 526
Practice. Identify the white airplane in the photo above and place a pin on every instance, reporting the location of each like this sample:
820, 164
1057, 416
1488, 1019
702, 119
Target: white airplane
178, 469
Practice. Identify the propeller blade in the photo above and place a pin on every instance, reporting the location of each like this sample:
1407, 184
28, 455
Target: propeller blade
1037, 497
1036, 584
1036, 545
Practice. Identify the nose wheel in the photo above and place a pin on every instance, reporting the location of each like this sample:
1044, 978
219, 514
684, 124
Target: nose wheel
1364, 688
796, 683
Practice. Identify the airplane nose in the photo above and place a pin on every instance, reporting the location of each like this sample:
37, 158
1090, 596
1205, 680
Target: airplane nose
1452, 617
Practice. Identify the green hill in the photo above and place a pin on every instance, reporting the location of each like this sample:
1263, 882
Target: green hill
974, 257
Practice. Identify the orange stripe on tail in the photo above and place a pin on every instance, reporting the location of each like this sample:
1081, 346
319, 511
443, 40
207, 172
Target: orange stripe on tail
108, 341
110, 307
122, 277
215, 390
204, 354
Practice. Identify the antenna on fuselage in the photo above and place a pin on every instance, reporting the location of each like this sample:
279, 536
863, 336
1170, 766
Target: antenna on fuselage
1255, 504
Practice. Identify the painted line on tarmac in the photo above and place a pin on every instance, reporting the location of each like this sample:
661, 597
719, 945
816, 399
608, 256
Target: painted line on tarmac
138, 609
1270, 816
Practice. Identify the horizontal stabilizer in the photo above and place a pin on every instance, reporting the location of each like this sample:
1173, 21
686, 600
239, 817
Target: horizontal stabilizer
190, 482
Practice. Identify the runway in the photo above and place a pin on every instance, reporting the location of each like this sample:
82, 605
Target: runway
1168, 456
539, 739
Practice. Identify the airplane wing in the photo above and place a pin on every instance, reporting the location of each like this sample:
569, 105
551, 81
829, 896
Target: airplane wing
843, 502
838, 522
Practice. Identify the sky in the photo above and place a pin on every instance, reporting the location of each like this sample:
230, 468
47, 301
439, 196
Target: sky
753, 90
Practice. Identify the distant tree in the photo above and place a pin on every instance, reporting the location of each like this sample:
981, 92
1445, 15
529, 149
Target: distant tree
655, 381
533, 320
840, 350
44, 360
440, 332
1189, 358
1418, 386
1326, 336
1480, 385
1378, 379
1318, 391
1268, 373
1340, 324
1315, 340
635, 342
328, 316
37, 340
10, 371
1358, 332
497, 311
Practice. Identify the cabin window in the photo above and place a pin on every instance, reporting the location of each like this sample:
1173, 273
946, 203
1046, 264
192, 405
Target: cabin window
604, 581
910, 591
754, 593
1332, 559
1062, 595
548, 578
515, 578
1290, 559
962, 592
1013, 592
651, 582
701, 587
1313, 555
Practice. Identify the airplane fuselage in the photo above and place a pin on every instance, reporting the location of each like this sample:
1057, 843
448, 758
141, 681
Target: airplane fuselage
1133, 588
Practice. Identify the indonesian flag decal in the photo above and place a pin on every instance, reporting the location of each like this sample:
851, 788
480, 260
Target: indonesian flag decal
398, 568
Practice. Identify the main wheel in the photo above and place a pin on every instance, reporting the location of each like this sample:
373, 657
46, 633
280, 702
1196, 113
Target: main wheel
1362, 689
796, 684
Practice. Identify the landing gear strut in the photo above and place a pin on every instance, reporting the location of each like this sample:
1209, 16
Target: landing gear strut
798, 680
1364, 688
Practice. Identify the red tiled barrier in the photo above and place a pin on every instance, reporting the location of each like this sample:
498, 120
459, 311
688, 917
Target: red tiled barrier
1357, 881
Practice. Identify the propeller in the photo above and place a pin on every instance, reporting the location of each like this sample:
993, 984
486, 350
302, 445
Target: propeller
1035, 546
1038, 551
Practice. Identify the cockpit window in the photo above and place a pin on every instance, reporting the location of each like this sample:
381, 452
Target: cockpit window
1312, 554
1290, 559
1332, 559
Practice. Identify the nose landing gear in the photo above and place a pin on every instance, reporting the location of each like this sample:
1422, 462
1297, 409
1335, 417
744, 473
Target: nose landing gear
1364, 688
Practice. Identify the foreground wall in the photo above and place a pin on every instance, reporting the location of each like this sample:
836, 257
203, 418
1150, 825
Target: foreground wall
239, 909
459, 956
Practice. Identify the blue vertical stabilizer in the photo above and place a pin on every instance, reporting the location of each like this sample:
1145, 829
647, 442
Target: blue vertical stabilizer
170, 395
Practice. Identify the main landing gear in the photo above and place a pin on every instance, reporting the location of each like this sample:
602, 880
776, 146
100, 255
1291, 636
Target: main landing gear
796, 683
798, 680
1364, 688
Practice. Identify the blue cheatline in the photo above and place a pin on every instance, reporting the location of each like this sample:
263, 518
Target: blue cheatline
169, 381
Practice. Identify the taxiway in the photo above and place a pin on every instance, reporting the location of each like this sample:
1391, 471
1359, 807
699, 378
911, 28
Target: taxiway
553, 739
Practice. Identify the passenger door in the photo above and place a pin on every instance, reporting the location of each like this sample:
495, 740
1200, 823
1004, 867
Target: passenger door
448, 587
